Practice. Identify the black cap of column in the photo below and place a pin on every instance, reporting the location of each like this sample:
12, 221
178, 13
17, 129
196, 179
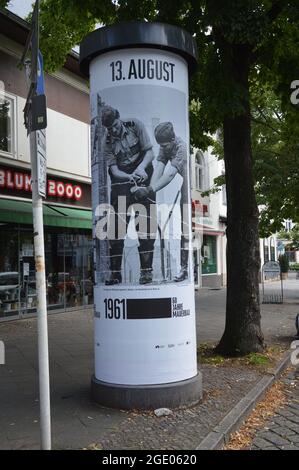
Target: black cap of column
138, 34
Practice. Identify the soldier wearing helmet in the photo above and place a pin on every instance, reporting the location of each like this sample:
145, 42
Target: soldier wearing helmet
129, 155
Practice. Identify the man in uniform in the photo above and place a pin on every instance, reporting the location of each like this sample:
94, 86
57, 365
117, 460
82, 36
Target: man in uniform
172, 149
129, 155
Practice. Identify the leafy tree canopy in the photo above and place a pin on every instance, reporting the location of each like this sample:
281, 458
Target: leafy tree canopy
269, 28
275, 143
275, 148
292, 237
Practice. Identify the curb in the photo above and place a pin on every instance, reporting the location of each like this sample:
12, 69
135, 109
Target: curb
231, 422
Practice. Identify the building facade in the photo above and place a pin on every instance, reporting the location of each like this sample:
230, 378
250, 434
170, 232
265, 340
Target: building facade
67, 215
286, 246
209, 221
209, 224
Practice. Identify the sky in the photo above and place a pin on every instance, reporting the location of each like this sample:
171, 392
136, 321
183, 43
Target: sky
23, 7
20, 7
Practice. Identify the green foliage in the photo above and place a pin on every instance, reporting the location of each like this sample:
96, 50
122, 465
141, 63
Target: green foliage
275, 150
260, 25
4, 3
257, 359
284, 263
207, 355
294, 267
267, 30
218, 183
292, 236
253, 23
63, 24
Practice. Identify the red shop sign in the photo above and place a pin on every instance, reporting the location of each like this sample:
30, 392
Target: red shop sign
20, 181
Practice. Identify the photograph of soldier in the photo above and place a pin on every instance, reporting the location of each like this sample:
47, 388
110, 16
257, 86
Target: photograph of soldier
172, 149
129, 155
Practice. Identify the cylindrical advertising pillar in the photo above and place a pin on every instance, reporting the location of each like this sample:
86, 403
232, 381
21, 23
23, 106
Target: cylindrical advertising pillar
145, 337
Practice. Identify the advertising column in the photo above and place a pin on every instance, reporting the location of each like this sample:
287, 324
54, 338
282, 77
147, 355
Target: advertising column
145, 337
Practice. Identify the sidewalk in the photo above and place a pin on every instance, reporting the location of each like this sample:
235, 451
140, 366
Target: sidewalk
79, 423
278, 320
281, 432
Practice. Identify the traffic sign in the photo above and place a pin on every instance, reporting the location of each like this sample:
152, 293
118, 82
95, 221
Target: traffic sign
41, 163
38, 113
40, 85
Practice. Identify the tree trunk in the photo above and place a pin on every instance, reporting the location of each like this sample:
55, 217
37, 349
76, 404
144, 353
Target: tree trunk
242, 333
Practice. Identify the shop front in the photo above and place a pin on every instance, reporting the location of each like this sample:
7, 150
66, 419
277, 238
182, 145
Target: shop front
209, 248
209, 254
68, 245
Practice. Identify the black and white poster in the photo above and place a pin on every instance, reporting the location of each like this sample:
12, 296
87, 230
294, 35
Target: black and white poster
144, 291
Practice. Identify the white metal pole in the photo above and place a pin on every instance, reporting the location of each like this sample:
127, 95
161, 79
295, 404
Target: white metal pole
40, 277
39, 250
42, 322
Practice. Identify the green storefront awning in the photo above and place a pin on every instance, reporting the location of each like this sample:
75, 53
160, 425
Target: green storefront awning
55, 216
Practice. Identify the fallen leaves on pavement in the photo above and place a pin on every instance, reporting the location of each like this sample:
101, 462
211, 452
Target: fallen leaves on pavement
94, 446
273, 399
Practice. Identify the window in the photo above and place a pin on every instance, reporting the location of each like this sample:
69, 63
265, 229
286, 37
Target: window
209, 255
7, 124
199, 171
223, 191
224, 199
272, 249
266, 251
291, 256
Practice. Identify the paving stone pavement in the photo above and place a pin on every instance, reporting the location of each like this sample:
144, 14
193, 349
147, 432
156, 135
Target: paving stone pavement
184, 429
281, 432
77, 422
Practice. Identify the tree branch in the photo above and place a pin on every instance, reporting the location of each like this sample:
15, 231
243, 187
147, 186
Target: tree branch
270, 151
277, 115
265, 124
275, 10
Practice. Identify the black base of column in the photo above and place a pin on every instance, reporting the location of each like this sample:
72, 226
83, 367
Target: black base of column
148, 397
